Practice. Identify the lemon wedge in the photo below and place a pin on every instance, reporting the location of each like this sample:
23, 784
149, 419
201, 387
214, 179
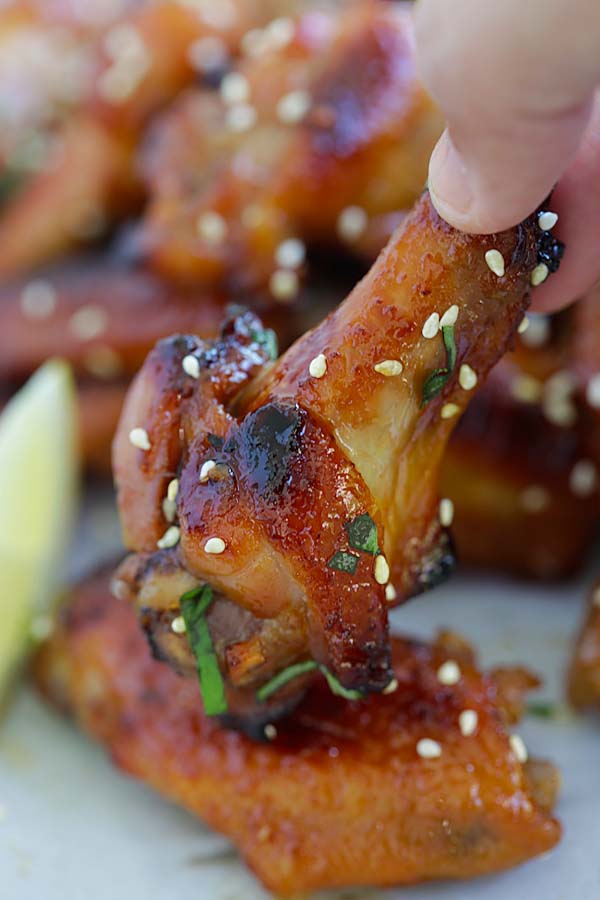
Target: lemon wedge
38, 502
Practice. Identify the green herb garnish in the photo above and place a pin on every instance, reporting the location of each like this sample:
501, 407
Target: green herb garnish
362, 534
543, 709
267, 339
435, 381
194, 605
295, 671
343, 562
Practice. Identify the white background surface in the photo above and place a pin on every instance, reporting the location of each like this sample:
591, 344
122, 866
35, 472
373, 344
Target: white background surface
73, 827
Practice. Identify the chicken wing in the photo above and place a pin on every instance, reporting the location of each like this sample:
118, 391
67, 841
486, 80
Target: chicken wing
420, 784
305, 492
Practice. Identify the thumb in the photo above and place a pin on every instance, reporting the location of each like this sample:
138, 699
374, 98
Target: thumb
516, 82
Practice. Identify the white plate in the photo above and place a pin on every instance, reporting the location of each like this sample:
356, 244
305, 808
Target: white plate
73, 827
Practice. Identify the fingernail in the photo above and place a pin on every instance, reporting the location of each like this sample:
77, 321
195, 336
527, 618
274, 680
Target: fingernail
449, 186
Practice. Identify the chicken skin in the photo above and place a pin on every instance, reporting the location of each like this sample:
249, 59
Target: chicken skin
304, 493
417, 785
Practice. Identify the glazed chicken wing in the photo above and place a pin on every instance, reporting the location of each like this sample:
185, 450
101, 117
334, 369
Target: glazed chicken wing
423, 783
304, 493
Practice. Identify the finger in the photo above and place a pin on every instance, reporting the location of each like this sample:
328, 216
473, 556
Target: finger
515, 81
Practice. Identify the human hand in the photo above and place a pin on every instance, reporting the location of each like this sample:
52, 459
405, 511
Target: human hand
519, 85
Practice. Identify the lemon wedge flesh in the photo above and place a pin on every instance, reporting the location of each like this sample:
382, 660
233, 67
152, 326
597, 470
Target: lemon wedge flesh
38, 502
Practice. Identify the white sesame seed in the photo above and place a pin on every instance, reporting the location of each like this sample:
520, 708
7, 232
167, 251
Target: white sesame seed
526, 389
254, 42
539, 274
169, 509
534, 499
381, 569
467, 377
583, 479
450, 316
173, 489
280, 31
557, 403
517, 745
139, 438
538, 331
523, 325
292, 107
431, 326
592, 391
270, 732
234, 88
214, 545
390, 592
103, 362
449, 410
446, 512
88, 322
206, 469
449, 673
389, 367
352, 223
178, 625
318, 366
38, 299
169, 539
208, 53
547, 220
119, 589
495, 262
191, 365
284, 284
391, 687
241, 117
290, 254
212, 228
428, 748
467, 722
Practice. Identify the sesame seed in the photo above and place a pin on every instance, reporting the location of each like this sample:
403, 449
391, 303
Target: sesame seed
517, 745
290, 254
390, 592
389, 367
88, 322
446, 512
241, 117
280, 32
547, 220
523, 325
450, 316
119, 589
206, 469
103, 362
169, 539
270, 732
526, 389
583, 479
292, 107
391, 687
191, 366
214, 545
264, 832
557, 402
431, 326
212, 228
284, 284
534, 499
539, 274
449, 410
318, 366
467, 722
139, 438
38, 299
234, 88
352, 223
178, 625
253, 42
169, 509
592, 391
208, 53
495, 262
449, 673
467, 377
173, 490
428, 748
538, 331
381, 569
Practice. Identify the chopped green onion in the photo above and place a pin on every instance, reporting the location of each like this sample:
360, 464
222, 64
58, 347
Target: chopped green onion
302, 668
343, 562
362, 534
267, 339
436, 380
543, 709
338, 689
194, 605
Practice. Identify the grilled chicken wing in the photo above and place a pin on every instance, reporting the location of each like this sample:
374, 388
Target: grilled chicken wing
307, 490
326, 138
389, 790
